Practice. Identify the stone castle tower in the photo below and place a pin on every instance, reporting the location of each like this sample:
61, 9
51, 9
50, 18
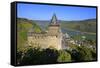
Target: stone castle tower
50, 39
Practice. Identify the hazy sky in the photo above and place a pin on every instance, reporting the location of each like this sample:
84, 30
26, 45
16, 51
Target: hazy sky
45, 12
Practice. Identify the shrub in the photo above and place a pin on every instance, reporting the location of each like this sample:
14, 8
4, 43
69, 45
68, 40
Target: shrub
83, 53
64, 56
39, 56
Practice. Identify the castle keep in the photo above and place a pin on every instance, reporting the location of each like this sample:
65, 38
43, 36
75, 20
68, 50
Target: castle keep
52, 38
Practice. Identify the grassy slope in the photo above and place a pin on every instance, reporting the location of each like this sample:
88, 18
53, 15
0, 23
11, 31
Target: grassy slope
23, 25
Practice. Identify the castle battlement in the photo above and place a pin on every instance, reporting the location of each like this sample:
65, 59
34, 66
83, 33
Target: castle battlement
52, 38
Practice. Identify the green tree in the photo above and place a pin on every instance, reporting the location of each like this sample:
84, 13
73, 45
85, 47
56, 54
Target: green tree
39, 56
83, 53
31, 56
64, 56
49, 56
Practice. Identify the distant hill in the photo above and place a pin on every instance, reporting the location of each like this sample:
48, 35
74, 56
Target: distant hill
88, 25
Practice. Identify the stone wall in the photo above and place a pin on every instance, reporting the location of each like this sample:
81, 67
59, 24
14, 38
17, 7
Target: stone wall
45, 41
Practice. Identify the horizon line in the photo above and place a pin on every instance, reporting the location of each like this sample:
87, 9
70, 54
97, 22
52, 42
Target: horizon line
57, 19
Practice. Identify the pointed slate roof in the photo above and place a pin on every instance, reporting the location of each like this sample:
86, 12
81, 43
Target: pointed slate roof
54, 20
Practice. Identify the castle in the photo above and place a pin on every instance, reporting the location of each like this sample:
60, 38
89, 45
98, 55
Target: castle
52, 38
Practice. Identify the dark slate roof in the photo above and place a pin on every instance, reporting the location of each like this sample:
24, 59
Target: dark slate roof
54, 20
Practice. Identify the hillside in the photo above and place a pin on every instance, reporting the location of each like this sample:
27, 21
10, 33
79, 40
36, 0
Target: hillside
23, 25
88, 25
